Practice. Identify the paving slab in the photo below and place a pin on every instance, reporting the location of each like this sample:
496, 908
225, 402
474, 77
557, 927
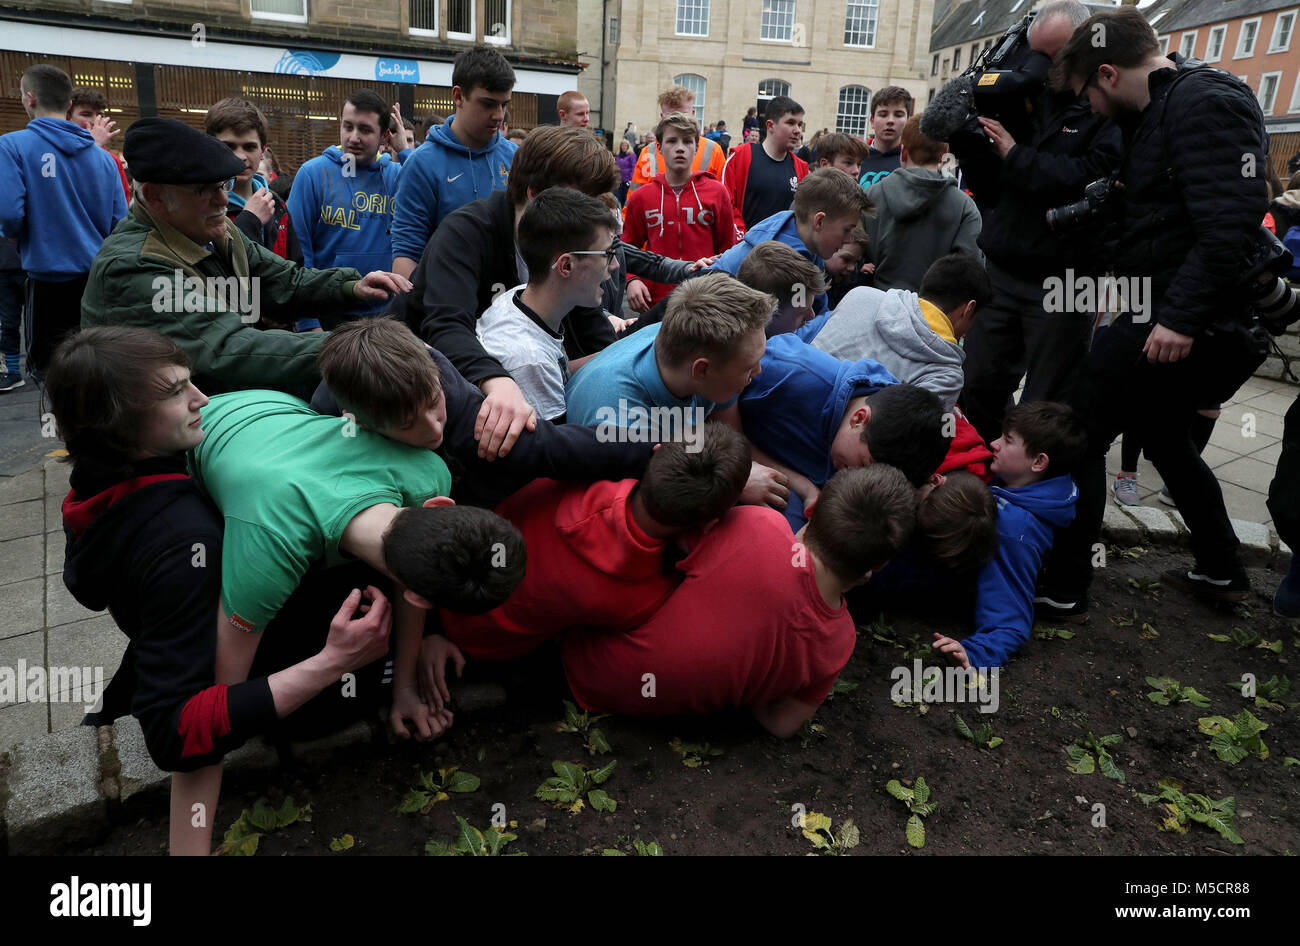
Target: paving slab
1253, 536
1118, 527
21, 558
138, 772
1234, 423
22, 653
55, 546
96, 644
54, 798
21, 488
1248, 473
1275, 402
67, 715
1156, 523
61, 607
22, 607
22, 722
1270, 454
20, 519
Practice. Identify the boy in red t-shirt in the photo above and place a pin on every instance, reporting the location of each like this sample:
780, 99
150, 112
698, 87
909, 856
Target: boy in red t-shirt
595, 551
681, 214
760, 620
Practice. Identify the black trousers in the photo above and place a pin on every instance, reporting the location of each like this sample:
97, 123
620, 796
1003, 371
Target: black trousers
1284, 491
53, 311
1013, 337
1120, 390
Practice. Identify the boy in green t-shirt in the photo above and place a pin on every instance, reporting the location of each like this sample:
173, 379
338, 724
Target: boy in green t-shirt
298, 489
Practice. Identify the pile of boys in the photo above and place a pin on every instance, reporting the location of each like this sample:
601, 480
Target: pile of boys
684, 508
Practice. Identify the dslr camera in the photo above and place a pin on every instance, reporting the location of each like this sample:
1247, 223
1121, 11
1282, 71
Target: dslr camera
1098, 202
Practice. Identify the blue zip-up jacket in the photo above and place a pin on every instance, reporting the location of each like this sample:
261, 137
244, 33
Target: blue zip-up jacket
60, 195
793, 408
444, 175
1004, 607
776, 227
345, 220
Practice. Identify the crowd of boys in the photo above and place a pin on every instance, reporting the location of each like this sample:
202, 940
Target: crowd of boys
423, 383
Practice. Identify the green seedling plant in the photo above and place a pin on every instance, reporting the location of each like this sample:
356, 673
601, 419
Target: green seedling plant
432, 791
245, 834
1244, 638
1146, 586
471, 842
981, 736
344, 843
593, 740
639, 849
810, 733
1132, 552
1169, 691
1052, 633
1179, 809
1234, 739
917, 800
817, 829
1091, 753
1270, 693
1120, 621
841, 686
694, 754
572, 781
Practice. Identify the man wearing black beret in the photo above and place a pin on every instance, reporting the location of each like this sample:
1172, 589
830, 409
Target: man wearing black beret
177, 264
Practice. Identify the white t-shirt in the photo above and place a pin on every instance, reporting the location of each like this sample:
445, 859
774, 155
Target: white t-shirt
534, 355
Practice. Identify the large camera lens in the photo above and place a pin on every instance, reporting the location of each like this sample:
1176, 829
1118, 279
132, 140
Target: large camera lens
1069, 216
1276, 304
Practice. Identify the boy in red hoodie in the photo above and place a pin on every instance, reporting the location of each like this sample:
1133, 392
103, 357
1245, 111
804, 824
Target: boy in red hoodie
595, 551
680, 214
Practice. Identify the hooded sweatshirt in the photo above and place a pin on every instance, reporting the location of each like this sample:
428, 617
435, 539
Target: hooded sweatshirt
60, 195
1004, 608
686, 226
776, 227
920, 216
898, 329
878, 165
441, 176
132, 547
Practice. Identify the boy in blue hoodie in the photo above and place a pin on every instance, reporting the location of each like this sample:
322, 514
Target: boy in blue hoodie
61, 196
827, 206
808, 414
1040, 444
462, 160
342, 201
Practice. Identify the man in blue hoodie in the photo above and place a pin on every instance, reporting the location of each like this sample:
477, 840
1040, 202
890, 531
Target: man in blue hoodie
61, 196
1040, 444
464, 159
808, 414
342, 202
827, 206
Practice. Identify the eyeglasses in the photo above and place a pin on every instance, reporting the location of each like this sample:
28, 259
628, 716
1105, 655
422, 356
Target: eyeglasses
210, 190
610, 254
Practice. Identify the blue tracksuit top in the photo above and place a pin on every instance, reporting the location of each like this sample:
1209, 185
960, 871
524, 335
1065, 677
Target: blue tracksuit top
776, 227
60, 195
1004, 608
444, 175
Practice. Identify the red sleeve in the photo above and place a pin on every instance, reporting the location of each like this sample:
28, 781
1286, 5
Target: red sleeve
126, 183
724, 228
634, 219
800, 167
734, 177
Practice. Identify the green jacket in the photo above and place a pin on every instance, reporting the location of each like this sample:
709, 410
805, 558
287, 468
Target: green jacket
147, 274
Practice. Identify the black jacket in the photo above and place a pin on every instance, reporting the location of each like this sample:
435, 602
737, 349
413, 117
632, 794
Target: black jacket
1191, 208
148, 548
1070, 148
558, 451
470, 258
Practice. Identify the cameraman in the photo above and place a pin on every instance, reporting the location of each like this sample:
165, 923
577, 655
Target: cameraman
1193, 195
1045, 162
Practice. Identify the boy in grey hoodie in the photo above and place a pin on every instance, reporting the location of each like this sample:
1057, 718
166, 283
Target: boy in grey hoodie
921, 214
916, 338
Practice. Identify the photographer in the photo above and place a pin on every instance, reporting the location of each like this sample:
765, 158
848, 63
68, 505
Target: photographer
1192, 192
1033, 149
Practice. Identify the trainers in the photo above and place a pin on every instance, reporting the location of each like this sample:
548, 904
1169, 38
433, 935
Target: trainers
1221, 590
1126, 490
1286, 600
1052, 609
10, 380
1167, 499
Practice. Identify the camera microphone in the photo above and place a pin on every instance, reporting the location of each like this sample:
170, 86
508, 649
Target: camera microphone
949, 110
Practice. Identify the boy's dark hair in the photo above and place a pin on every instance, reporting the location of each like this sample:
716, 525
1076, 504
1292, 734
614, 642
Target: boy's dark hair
907, 430
559, 220
482, 67
368, 100
50, 85
920, 149
829, 147
892, 95
1127, 40
379, 372
238, 115
100, 382
89, 98
721, 124
561, 156
959, 520
829, 191
954, 280
684, 489
780, 107
1051, 428
862, 518
461, 558
781, 271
